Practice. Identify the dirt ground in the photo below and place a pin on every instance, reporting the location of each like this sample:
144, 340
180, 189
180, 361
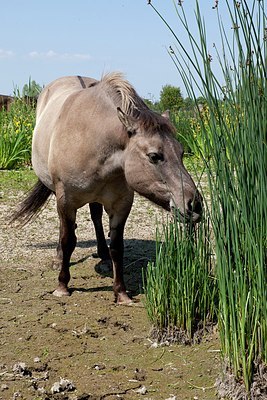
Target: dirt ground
84, 346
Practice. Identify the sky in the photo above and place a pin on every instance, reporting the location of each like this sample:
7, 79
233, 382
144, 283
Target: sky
44, 40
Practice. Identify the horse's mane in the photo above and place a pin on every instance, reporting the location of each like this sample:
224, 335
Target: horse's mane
125, 96
122, 93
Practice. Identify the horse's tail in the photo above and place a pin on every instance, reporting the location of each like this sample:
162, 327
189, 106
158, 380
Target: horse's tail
36, 199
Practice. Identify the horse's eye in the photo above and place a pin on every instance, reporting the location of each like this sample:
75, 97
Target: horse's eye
154, 158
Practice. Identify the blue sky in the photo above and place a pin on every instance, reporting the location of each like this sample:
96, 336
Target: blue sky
48, 39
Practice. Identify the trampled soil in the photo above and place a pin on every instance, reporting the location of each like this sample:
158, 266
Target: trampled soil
85, 346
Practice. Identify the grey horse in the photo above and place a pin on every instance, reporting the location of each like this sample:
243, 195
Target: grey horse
97, 142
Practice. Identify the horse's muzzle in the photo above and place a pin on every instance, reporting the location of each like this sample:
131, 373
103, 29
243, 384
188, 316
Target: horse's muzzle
192, 213
194, 208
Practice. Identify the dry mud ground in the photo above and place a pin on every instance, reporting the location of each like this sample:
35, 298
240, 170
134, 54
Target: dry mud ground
85, 346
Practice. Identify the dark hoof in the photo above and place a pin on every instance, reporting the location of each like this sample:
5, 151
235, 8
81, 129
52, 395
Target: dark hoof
104, 267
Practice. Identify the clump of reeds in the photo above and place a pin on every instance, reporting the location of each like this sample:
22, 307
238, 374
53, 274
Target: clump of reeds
236, 142
180, 285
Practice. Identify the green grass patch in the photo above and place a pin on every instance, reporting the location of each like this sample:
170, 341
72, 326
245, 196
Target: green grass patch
14, 180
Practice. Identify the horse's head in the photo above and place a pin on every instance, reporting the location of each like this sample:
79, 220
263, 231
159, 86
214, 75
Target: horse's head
153, 165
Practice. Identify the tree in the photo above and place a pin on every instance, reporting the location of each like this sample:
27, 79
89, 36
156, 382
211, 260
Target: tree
188, 104
153, 105
31, 89
202, 100
171, 98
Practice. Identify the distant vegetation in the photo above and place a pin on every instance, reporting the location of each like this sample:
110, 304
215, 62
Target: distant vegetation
31, 89
17, 120
16, 127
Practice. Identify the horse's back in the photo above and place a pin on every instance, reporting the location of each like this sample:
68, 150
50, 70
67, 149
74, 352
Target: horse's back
60, 89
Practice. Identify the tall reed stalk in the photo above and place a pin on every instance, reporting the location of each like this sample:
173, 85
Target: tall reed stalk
237, 171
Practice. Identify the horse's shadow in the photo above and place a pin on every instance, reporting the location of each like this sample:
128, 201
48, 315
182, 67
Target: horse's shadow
137, 254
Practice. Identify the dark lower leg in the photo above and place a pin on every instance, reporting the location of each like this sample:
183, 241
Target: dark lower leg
96, 210
67, 243
116, 253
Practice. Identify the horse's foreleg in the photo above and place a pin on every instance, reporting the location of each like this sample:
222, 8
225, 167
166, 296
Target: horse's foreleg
67, 243
116, 249
116, 252
96, 210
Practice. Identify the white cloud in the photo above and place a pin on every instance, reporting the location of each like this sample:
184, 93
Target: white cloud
82, 56
51, 54
6, 53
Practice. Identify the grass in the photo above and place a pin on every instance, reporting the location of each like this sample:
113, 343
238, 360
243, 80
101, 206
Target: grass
15, 180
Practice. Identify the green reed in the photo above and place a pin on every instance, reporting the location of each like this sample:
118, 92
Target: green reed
180, 286
236, 165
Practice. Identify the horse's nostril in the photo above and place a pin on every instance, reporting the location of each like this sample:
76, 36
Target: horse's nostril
194, 206
190, 205
198, 207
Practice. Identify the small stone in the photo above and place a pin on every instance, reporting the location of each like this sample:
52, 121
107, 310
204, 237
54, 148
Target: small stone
36, 360
139, 375
141, 390
41, 390
21, 369
99, 367
16, 395
4, 387
64, 385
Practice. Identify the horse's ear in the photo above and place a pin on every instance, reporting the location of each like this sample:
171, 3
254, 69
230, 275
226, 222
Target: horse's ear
166, 114
127, 121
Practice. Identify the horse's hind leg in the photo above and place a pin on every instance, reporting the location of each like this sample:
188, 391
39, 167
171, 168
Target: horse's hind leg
66, 245
96, 210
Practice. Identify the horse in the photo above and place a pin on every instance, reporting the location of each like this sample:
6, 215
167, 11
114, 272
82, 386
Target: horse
96, 142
